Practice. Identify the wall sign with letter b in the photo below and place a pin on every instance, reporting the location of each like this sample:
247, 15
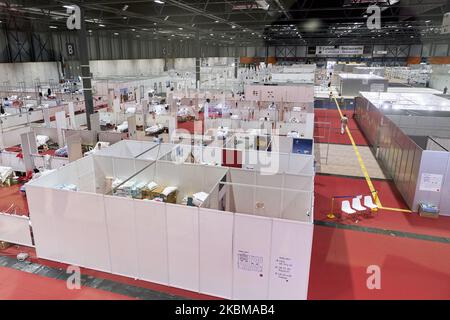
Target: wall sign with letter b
70, 49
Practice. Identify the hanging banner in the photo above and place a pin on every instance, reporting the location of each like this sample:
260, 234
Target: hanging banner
339, 51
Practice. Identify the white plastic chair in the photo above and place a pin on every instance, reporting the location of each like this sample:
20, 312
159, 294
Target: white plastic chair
356, 204
368, 202
345, 207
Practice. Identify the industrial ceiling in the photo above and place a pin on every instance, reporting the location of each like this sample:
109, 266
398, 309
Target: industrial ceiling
310, 22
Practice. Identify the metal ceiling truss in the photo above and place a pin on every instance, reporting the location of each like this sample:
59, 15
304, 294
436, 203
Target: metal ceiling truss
244, 22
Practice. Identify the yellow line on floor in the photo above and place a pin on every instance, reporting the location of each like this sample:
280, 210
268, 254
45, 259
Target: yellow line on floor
361, 162
364, 170
396, 209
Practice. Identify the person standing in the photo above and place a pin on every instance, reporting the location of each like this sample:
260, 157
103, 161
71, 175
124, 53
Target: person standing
344, 123
206, 109
445, 90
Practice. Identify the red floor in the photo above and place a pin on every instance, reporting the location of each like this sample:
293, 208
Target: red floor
332, 116
410, 269
19, 285
328, 186
14, 250
13, 201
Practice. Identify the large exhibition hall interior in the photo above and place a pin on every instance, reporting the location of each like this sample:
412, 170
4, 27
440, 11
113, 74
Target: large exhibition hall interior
225, 150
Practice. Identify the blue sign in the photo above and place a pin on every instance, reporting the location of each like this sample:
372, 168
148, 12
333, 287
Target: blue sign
302, 146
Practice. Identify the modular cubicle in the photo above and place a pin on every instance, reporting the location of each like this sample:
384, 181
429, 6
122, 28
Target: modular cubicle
395, 124
250, 239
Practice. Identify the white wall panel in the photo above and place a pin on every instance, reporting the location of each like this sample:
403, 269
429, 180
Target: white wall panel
183, 247
41, 205
69, 227
244, 199
251, 257
29, 71
120, 220
151, 233
83, 226
15, 229
290, 260
216, 265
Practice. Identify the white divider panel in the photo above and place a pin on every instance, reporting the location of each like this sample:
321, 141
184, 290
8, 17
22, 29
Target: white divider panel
244, 199
9, 159
242, 176
69, 227
81, 223
151, 233
271, 200
275, 180
290, 260
120, 221
123, 168
12, 137
183, 247
15, 229
298, 182
297, 205
251, 257
41, 205
299, 164
216, 253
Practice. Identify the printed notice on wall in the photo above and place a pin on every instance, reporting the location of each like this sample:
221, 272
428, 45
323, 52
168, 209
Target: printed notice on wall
283, 268
249, 262
431, 182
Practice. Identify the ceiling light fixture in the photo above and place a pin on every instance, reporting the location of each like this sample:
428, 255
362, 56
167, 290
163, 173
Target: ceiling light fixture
53, 27
159, 1
125, 7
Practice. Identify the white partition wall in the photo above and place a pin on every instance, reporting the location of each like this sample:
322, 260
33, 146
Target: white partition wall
249, 253
183, 248
69, 227
216, 246
151, 233
120, 221
289, 273
15, 229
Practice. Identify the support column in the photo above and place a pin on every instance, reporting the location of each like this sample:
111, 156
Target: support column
236, 61
197, 60
85, 70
